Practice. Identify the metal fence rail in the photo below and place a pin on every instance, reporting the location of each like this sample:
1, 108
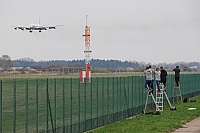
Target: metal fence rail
66, 105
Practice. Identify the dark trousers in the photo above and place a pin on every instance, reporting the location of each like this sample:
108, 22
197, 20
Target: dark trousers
177, 81
163, 80
158, 84
148, 84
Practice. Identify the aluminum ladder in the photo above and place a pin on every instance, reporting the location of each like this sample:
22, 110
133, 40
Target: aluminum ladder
177, 94
157, 108
159, 97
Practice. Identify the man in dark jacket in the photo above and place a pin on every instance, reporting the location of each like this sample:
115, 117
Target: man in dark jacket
163, 76
177, 75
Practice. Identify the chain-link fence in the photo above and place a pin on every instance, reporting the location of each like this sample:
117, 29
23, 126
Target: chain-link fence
66, 105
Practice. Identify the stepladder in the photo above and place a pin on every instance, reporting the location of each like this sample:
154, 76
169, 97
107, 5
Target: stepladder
158, 111
177, 95
163, 90
159, 96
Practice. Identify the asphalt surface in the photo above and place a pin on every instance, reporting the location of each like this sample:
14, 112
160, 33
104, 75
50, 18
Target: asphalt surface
191, 127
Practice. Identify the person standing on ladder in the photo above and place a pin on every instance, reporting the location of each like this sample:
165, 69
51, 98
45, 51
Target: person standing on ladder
157, 77
148, 83
153, 75
163, 77
177, 75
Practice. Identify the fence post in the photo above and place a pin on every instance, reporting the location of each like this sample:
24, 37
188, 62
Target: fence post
63, 95
91, 101
125, 98
132, 95
26, 105
107, 100
54, 105
47, 106
97, 104
113, 93
85, 105
37, 106
117, 99
120, 89
135, 92
79, 106
128, 82
14, 107
1, 108
71, 106
103, 100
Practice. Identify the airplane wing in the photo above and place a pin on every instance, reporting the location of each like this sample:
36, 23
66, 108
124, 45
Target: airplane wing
22, 28
53, 27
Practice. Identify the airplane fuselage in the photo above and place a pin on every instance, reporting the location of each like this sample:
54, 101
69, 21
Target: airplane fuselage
37, 27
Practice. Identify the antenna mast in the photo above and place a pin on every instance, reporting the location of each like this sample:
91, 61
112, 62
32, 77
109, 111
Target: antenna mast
87, 52
87, 47
86, 19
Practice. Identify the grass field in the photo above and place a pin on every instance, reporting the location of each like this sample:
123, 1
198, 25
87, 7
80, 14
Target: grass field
76, 75
164, 123
72, 75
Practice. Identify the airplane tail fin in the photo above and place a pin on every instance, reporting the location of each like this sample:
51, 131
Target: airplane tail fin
39, 19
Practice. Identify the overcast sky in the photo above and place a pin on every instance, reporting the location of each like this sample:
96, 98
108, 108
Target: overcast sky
153, 31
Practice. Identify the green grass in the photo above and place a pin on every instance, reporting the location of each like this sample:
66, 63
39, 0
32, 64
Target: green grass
72, 75
76, 75
166, 122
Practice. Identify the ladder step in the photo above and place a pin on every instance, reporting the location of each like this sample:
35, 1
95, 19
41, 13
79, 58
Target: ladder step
177, 93
177, 87
178, 96
159, 97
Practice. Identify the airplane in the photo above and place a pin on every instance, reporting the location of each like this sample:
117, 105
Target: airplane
36, 27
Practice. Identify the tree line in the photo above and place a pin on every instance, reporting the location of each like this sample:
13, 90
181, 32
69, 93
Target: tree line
111, 64
6, 63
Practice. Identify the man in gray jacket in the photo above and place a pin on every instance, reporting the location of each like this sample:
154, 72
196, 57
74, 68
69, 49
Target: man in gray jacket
148, 83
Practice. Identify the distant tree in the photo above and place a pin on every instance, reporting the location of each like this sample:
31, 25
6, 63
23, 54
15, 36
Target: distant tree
36, 67
109, 65
74, 65
185, 68
5, 62
53, 66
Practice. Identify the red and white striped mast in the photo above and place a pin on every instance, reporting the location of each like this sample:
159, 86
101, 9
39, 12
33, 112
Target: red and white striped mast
87, 47
87, 73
